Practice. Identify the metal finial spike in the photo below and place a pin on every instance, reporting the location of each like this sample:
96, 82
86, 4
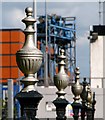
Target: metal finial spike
84, 82
88, 88
62, 51
29, 11
84, 79
29, 21
77, 68
77, 73
62, 56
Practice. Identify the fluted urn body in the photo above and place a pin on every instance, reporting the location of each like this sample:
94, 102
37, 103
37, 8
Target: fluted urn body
77, 88
29, 58
61, 80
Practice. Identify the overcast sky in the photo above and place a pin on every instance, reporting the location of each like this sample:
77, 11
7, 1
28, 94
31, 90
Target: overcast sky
86, 14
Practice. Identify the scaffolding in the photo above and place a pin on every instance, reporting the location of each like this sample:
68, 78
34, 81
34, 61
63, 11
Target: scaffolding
61, 33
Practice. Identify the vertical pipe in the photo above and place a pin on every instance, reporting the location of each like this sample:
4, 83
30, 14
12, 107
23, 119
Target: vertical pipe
50, 61
35, 25
104, 13
10, 52
91, 29
75, 43
99, 12
46, 52
10, 99
68, 64
51, 71
18, 86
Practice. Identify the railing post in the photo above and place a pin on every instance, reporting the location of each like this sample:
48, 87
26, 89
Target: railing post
76, 90
61, 81
29, 60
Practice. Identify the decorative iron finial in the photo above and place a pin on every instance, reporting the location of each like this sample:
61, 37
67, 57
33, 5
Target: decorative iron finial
89, 97
29, 58
84, 91
61, 80
77, 88
84, 98
89, 109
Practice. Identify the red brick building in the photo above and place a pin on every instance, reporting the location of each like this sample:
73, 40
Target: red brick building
11, 40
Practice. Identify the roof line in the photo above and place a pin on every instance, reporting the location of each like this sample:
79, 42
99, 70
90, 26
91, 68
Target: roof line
11, 29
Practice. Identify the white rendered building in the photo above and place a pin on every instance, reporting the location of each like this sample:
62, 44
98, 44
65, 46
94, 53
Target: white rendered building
97, 56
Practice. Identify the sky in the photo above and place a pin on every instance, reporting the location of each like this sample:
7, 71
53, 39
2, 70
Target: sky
86, 13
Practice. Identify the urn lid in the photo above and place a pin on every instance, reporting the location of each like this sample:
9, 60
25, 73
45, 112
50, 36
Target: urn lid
29, 46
